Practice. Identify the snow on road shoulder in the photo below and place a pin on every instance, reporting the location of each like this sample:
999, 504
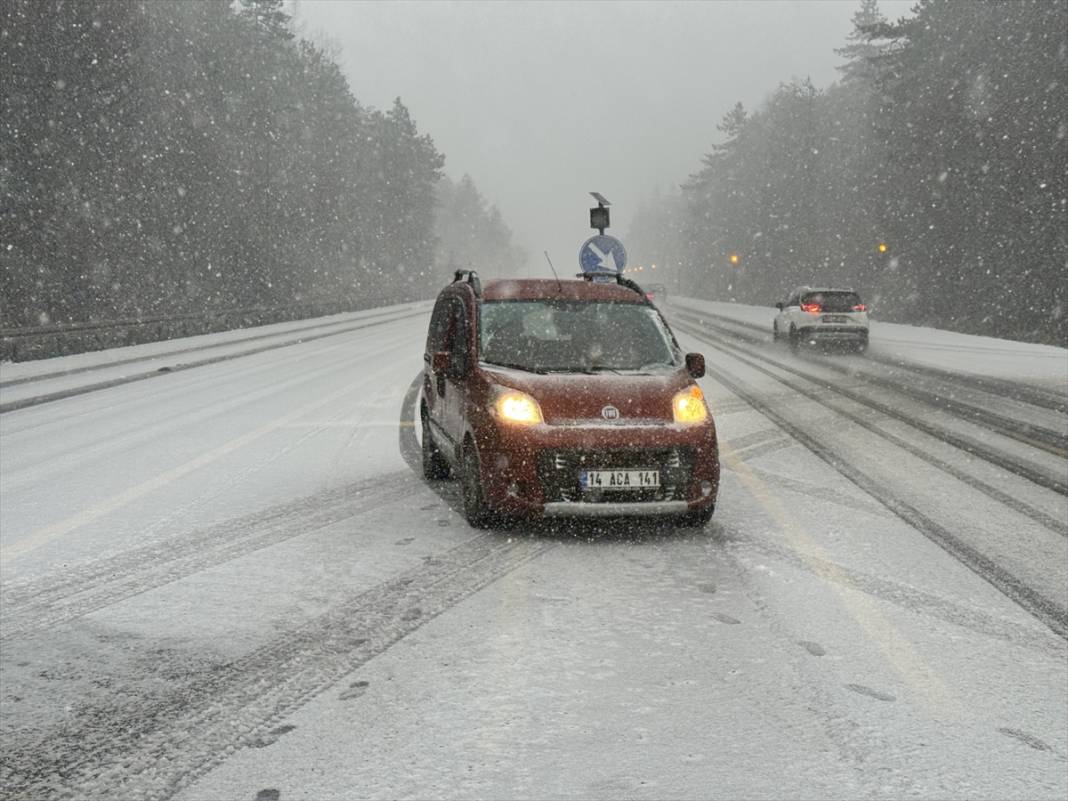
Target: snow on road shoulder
1041, 365
17, 371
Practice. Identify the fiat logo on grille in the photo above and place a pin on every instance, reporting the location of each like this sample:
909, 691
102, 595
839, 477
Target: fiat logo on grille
610, 413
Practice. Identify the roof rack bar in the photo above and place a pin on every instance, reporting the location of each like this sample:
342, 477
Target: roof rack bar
472, 279
632, 286
624, 282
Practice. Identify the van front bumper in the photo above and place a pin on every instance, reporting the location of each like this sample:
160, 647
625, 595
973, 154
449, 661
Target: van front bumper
615, 509
535, 470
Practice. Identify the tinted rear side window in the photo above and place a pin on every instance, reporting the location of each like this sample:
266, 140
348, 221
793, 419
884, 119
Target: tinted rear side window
439, 323
458, 331
833, 301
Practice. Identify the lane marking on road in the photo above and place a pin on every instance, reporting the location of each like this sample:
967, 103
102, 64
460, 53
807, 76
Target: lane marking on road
897, 649
44, 535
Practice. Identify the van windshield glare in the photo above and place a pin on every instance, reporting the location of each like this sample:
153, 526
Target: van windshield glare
574, 336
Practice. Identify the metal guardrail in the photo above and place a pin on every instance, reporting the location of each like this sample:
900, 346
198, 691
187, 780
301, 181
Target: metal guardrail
62, 339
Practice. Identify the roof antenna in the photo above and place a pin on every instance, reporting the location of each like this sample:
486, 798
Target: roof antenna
559, 286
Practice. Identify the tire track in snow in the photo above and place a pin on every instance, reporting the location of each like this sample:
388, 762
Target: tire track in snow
1031, 394
161, 736
47, 601
1045, 609
1033, 435
744, 546
286, 371
50, 600
1053, 524
157, 738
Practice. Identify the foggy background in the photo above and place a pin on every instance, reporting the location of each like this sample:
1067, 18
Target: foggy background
229, 163
544, 102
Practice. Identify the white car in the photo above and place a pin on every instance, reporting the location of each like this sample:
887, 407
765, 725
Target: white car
822, 316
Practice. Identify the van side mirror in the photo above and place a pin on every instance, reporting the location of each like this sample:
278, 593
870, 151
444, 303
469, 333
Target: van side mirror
695, 364
779, 305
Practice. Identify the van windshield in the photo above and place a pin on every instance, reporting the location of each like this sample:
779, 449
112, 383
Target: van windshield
574, 336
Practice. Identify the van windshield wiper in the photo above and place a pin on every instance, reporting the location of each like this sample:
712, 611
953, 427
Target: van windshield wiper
516, 366
597, 369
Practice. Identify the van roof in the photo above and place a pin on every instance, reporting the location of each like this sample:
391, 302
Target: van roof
550, 288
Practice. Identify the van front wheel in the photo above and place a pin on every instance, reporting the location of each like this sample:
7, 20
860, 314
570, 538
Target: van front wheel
696, 519
476, 510
435, 466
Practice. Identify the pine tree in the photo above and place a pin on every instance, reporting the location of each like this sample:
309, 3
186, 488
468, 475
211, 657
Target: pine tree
867, 43
269, 16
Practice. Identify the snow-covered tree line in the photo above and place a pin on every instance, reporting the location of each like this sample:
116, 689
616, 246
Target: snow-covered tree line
471, 234
945, 140
159, 158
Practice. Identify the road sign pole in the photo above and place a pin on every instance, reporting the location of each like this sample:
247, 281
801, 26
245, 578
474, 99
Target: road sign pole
601, 257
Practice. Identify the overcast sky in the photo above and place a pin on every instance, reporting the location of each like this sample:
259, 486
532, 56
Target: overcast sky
543, 102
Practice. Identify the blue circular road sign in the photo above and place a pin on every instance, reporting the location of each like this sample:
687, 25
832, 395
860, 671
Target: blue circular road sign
602, 254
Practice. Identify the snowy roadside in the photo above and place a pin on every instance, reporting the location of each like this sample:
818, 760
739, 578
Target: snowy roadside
1039, 365
27, 382
15, 371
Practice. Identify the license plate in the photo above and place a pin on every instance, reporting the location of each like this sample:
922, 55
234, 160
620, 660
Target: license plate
836, 319
619, 479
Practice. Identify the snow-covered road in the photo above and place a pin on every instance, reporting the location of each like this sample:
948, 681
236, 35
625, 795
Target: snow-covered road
230, 581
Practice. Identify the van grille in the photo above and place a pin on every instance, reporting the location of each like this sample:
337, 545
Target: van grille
558, 472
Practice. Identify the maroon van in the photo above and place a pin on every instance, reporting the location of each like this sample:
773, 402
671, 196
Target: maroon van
564, 398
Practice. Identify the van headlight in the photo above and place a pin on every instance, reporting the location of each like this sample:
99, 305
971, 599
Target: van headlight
689, 406
514, 406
